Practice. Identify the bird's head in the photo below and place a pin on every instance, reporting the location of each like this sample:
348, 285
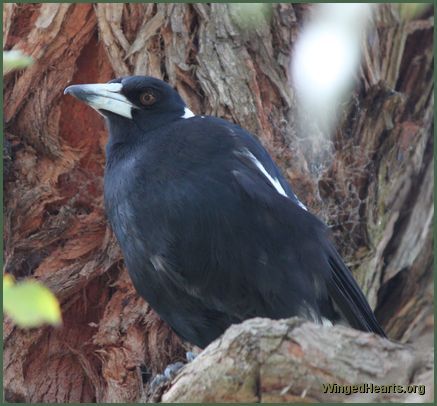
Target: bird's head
145, 100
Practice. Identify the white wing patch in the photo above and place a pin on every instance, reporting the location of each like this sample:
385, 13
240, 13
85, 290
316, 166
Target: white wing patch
273, 181
187, 113
300, 203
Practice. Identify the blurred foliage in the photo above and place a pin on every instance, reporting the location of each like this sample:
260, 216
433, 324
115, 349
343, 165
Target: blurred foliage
15, 60
409, 11
30, 303
249, 16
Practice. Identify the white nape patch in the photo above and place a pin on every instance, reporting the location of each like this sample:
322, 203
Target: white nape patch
326, 322
188, 113
273, 181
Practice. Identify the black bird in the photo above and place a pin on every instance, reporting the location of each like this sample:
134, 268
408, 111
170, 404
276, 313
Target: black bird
211, 232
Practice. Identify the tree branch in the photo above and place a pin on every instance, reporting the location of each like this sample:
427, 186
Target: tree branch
291, 360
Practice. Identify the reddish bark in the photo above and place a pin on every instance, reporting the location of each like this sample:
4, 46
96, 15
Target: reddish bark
377, 193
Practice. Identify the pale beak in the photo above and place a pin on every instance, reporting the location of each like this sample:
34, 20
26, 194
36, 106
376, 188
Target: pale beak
103, 96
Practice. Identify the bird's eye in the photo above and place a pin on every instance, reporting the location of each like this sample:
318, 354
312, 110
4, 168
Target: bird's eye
147, 98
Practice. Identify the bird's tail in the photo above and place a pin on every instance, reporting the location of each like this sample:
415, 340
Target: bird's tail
349, 299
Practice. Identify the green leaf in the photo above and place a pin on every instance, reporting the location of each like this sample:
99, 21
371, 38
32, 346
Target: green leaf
8, 281
15, 60
250, 16
30, 303
409, 11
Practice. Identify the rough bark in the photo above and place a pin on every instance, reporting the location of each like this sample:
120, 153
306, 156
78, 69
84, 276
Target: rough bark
376, 192
290, 361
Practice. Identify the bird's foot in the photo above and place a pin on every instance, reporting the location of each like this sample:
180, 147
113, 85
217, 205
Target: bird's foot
190, 356
172, 370
159, 382
162, 379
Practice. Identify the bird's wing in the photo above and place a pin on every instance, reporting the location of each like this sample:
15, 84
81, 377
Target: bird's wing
258, 182
249, 150
348, 298
235, 237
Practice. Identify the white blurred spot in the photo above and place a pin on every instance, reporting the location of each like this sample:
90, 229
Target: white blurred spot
324, 64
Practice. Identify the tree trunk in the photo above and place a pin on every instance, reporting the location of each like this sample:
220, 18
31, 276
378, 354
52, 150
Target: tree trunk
376, 192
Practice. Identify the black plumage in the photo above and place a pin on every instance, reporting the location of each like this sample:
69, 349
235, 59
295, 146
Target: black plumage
211, 232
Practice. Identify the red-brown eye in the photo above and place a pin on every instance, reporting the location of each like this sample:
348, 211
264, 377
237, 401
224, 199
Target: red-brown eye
147, 98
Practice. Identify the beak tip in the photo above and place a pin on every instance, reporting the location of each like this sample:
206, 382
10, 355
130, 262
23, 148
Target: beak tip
67, 90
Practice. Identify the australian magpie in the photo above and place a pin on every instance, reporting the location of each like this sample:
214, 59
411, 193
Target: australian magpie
211, 232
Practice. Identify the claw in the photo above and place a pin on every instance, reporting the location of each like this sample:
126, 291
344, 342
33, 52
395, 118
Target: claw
172, 370
157, 381
190, 356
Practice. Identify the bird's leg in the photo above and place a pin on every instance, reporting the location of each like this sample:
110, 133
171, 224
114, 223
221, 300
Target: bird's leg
170, 372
